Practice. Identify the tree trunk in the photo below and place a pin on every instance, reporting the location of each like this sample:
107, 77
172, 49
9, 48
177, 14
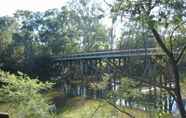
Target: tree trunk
175, 71
179, 100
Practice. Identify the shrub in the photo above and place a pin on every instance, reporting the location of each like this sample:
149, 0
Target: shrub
25, 95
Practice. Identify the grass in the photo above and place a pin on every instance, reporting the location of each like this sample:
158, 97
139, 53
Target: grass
4, 107
7, 108
88, 108
79, 107
183, 87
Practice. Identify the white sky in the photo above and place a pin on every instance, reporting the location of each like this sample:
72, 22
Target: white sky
8, 7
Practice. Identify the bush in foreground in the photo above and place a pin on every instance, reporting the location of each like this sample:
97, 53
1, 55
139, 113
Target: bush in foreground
23, 94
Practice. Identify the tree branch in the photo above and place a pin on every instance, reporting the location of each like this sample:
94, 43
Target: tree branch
121, 110
157, 84
107, 3
155, 3
98, 107
141, 79
172, 33
160, 42
181, 54
115, 106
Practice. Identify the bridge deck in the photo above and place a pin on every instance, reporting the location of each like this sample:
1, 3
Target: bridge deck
110, 54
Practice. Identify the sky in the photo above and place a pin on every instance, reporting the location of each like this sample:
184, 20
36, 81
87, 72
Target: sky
8, 7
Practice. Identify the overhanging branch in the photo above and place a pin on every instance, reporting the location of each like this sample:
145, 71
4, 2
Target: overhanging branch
107, 3
156, 84
172, 33
98, 107
115, 106
181, 54
160, 42
121, 110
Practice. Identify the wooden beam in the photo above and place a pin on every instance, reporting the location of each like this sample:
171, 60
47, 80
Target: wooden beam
4, 115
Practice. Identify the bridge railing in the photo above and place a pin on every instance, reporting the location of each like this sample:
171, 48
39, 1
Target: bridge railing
113, 51
112, 54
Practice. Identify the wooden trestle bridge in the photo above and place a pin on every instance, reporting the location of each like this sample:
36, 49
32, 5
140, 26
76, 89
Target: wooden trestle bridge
141, 61
93, 63
91, 66
110, 54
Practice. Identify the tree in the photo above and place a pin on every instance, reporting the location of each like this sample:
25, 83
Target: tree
166, 20
92, 33
59, 31
8, 26
24, 95
135, 36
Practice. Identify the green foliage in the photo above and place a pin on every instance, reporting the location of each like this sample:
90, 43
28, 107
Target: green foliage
165, 16
102, 84
33, 108
128, 89
29, 35
165, 19
24, 95
8, 26
93, 34
163, 114
183, 85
